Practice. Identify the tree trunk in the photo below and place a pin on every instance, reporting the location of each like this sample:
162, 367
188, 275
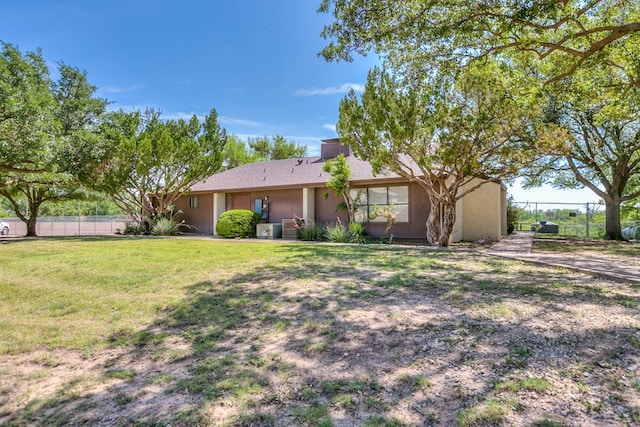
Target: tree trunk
442, 216
31, 225
613, 228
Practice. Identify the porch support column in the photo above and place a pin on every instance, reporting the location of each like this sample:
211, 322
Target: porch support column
309, 205
219, 206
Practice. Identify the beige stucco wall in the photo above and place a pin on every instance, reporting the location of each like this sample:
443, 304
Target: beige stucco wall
481, 214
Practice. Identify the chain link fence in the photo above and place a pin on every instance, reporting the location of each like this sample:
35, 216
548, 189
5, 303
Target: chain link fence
569, 219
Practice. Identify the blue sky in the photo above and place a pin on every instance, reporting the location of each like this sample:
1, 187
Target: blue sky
254, 61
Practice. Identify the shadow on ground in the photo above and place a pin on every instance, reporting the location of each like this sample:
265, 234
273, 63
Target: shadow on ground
348, 335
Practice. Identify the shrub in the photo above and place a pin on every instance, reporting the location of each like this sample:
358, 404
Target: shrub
165, 227
237, 223
135, 228
337, 232
513, 215
357, 233
311, 232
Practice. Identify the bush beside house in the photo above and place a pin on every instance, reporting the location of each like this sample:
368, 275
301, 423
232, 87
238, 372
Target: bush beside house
237, 223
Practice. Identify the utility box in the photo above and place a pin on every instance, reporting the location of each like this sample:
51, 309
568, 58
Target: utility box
269, 231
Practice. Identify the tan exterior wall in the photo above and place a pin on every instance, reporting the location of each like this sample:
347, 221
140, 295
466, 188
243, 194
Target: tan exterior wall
326, 210
199, 217
482, 213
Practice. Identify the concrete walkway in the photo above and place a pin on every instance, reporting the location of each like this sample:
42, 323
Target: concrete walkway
518, 246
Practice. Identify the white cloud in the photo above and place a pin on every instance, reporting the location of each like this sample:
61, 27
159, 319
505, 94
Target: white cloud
330, 127
332, 90
237, 122
118, 89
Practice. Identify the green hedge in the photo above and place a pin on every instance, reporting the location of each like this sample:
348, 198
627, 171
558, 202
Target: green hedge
237, 223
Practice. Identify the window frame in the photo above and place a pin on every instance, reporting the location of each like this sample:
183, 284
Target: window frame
367, 206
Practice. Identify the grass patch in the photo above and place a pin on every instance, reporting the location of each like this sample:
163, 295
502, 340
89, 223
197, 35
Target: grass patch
380, 421
316, 415
120, 374
415, 381
275, 333
491, 413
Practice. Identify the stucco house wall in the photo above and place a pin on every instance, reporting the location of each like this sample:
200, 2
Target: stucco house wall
480, 214
297, 187
200, 216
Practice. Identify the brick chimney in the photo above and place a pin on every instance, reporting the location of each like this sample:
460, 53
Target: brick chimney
331, 148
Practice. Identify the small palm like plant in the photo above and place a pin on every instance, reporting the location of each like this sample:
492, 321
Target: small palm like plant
357, 233
165, 227
337, 232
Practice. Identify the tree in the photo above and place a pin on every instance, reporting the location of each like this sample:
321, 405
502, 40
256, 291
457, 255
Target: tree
235, 153
278, 148
441, 134
339, 183
26, 106
35, 190
568, 46
39, 120
569, 34
594, 145
282, 149
145, 164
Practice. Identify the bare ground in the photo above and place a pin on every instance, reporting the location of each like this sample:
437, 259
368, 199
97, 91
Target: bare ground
404, 338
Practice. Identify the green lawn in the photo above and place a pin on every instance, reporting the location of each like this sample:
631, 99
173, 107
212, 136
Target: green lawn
150, 331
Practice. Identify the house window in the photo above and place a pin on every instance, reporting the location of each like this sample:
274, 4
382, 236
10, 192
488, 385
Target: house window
193, 201
366, 200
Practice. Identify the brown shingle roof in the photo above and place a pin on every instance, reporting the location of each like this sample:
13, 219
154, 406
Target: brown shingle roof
296, 173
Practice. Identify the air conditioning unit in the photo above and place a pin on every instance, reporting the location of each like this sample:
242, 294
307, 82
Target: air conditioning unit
289, 229
269, 231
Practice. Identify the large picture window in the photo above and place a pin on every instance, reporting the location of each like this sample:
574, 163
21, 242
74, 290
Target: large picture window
366, 199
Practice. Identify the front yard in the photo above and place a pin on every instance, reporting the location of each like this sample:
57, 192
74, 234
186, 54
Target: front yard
145, 332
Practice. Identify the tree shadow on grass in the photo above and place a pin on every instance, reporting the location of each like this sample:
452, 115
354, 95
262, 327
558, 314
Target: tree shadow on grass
347, 335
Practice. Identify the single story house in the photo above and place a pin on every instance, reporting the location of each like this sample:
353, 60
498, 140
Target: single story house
284, 189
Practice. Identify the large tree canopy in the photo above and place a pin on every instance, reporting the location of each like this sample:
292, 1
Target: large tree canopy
442, 134
39, 120
26, 106
570, 34
145, 164
583, 53
594, 145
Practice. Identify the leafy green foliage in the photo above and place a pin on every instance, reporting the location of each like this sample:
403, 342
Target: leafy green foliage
357, 233
145, 164
339, 183
40, 120
441, 134
165, 227
559, 38
312, 232
237, 223
581, 55
337, 232
513, 215
278, 148
590, 143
